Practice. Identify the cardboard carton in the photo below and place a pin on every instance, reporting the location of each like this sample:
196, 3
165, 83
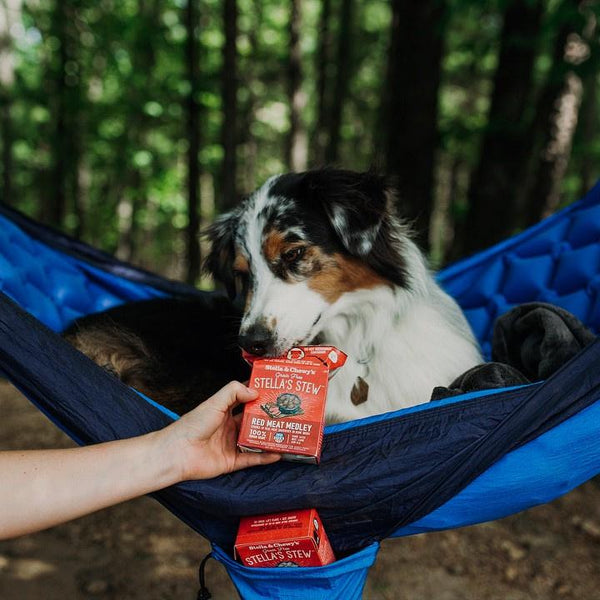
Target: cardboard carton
288, 416
287, 539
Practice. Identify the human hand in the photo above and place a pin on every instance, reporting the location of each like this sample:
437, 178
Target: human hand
202, 443
41, 488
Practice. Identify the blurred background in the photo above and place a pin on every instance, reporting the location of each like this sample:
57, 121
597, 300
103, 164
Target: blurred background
131, 123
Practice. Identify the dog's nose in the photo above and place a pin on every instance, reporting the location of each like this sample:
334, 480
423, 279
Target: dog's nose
256, 340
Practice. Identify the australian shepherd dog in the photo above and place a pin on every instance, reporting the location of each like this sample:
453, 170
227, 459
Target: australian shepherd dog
319, 257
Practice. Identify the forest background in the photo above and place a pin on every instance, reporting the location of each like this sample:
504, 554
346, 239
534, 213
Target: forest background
131, 123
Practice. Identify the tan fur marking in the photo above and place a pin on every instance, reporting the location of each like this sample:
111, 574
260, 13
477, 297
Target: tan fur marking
114, 350
273, 245
125, 356
340, 274
241, 263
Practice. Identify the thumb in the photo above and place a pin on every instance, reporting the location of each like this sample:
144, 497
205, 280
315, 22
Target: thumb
231, 395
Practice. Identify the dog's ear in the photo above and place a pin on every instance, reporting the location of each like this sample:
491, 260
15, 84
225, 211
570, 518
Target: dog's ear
361, 210
356, 205
219, 261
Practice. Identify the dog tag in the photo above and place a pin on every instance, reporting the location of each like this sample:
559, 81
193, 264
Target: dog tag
360, 391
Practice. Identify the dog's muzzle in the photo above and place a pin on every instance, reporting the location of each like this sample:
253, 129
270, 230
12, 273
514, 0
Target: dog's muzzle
256, 339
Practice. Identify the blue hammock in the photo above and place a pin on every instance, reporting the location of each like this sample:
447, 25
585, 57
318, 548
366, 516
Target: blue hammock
463, 460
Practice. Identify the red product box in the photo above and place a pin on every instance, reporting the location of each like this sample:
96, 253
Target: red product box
287, 539
288, 416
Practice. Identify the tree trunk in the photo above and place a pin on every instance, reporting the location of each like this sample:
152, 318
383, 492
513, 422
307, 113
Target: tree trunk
554, 158
84, 180
298, 141
410, 100
128, 207
193, 259
340, 84
10, 11
554, 124
230, 108
133, 198
589, 131
64, 74
439, 225
55, 211
248, 79
6, 134
76, 143
322, 67
75, 181
493, 194
588, 122
443, 226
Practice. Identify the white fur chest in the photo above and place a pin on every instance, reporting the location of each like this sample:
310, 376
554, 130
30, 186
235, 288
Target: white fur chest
402, 350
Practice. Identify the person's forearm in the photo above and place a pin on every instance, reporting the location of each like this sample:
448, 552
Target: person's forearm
47, 487
41, 488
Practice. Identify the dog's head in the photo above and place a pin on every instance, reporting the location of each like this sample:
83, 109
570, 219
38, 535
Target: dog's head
298, 245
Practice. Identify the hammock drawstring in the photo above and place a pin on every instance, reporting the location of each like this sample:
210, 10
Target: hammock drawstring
203, 592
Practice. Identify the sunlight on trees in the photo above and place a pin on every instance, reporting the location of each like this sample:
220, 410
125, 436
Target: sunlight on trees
118, 130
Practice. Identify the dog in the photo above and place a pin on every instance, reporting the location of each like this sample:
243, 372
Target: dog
321, 257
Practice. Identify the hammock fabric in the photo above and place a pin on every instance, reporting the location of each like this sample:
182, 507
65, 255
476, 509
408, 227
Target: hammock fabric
463, 460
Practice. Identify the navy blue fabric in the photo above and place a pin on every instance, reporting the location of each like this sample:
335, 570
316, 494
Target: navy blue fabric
377, 475
87, 402
373, 478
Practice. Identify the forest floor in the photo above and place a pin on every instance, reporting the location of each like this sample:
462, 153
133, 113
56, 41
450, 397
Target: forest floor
138, 550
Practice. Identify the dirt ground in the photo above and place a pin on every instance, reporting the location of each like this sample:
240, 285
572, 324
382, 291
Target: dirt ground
138, 550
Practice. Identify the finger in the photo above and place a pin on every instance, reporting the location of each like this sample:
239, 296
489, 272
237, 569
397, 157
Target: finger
246, 394
254, 459
231, 395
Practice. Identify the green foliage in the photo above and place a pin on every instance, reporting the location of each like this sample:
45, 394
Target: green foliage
115, 71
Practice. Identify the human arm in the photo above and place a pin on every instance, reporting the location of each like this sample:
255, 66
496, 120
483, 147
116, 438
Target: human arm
42, 488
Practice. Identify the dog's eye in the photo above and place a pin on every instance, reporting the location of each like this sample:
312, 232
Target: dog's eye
293, 255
